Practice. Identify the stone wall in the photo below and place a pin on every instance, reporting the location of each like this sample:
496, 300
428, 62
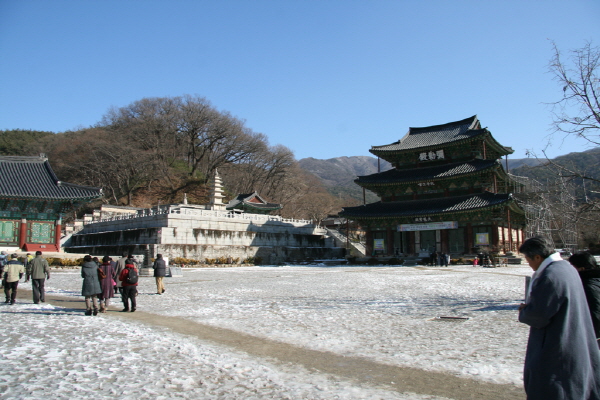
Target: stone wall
179, 231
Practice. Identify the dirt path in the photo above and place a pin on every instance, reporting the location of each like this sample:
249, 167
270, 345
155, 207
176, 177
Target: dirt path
361, 370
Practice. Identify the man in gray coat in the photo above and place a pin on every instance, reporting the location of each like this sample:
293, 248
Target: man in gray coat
562, 360
38, 270
91, 285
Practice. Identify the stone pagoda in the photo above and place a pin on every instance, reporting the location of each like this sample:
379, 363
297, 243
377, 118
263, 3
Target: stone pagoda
217, 196
447, 192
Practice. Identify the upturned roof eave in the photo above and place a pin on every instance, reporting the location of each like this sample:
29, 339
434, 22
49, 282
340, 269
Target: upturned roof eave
377, 149
262, 207
433, 212
425, 214
503, 150
51, 199
495, 166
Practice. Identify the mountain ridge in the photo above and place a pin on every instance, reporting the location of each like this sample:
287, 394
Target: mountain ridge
338, 173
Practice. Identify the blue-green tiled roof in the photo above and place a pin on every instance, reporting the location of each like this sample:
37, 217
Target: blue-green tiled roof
442, 205
33, 178
427, 173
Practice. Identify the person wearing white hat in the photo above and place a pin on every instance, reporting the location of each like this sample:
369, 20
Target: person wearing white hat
13, 272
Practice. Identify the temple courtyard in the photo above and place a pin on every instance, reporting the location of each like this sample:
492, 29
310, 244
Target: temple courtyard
288, 332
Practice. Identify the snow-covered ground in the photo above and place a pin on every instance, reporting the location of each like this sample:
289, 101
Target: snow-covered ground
386, 314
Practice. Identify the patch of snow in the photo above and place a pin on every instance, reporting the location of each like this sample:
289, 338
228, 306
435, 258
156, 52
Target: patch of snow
385, 314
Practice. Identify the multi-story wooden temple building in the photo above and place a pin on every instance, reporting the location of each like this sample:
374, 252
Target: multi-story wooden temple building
447, 191
32, 201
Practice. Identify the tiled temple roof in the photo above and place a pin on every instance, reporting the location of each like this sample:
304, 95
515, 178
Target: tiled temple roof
427, 173
437, 135
244, 200
33, 178
442, 205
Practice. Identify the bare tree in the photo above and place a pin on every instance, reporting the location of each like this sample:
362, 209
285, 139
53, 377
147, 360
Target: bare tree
267, 171
578, 111
186, 128
227, 142
90, 157
319, 206
575, 114
150, 125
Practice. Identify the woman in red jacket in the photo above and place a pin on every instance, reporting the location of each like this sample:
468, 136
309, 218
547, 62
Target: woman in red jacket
129, 278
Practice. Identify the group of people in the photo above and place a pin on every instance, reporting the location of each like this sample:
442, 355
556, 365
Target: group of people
562, 361
101, 281
36, 268
440, 258
483, 259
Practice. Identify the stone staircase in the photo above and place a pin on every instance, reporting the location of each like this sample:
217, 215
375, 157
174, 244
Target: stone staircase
356, 249
512, 258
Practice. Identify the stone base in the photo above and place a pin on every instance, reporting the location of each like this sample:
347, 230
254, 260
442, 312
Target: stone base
412, 261
174, 272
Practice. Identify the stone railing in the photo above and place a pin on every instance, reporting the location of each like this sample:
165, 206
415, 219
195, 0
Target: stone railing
205, 213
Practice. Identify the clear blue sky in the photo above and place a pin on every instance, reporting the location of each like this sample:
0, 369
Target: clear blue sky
326, 78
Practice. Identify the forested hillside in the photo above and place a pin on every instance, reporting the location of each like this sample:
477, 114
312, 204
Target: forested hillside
572, 167
156, 149
567, 189
17, 142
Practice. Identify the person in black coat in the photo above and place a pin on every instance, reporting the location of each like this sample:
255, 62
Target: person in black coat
160, 270
589, 272
562, 361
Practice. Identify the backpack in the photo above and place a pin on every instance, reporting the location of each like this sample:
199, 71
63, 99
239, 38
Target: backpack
132, 276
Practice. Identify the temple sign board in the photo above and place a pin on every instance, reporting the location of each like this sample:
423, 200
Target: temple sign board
432, 155
430, 226
482, 239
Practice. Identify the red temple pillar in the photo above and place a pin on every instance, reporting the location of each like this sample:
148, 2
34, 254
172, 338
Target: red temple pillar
412, 248
520, 238
369, 242
22, 233
57, 227
390, 241
510, 231
469, 233
495, 236
444, 237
